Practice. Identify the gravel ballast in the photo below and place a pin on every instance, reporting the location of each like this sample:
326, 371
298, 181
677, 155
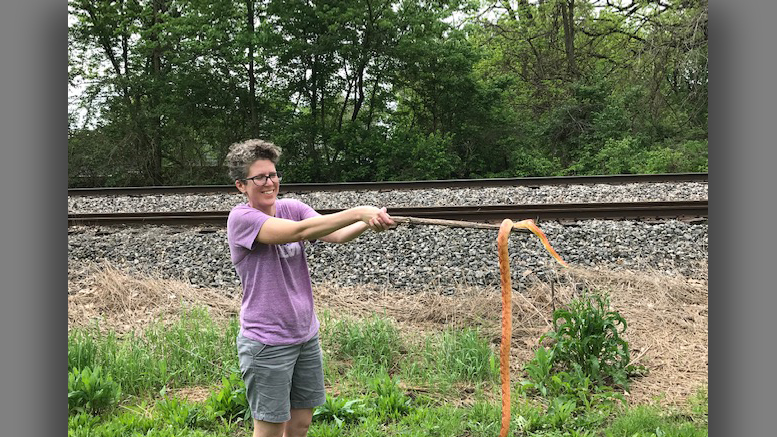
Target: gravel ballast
652, 192
408, 257
413, 258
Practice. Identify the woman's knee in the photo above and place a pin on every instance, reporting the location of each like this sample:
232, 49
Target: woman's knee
268, 429
300, 421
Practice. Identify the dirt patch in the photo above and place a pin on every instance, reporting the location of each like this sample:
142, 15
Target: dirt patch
666, 315
192, 394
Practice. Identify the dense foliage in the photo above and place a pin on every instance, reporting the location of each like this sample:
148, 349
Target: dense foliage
359, 90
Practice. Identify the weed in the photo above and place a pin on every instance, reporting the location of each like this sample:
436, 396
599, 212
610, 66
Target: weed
229, 402
326, 429
572, 386
439, 421
91, 390
179, 413
539, 371
590, 337
391, 402
699, 403
483, 418
559, 412
340, 410
81, 424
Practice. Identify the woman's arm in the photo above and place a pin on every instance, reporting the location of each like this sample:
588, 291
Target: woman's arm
280, 231
346, 234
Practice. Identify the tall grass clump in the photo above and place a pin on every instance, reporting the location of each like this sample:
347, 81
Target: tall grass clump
461, 355
195, 347
389, 400
81, 349
374, 342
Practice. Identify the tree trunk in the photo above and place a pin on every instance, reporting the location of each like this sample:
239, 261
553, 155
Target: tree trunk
345, 100
568, 20
359, 98
371, 112
251, 75
154, 168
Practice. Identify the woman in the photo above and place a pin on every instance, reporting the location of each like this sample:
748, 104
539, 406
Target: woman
278, 347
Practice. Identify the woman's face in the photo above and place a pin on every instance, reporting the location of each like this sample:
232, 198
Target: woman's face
261, 191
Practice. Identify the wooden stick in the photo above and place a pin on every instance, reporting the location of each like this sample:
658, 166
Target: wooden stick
449, 223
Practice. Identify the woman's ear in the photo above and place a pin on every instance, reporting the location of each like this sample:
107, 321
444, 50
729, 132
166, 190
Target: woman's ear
240, 186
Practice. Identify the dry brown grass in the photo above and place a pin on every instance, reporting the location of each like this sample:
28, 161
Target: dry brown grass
123, 303
667, 316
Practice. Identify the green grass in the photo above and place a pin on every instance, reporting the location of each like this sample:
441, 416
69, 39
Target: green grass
193, 351
383, 383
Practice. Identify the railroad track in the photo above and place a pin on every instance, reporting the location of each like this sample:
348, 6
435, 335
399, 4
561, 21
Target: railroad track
401, 185
683, 210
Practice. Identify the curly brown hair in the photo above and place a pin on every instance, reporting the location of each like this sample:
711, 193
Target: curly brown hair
241, 155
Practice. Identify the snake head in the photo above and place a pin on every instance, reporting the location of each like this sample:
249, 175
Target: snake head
530, 225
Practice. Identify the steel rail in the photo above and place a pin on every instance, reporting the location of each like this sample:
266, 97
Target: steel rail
402, 185
487, 213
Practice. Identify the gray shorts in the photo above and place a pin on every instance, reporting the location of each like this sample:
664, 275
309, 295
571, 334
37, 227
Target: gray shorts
279, 378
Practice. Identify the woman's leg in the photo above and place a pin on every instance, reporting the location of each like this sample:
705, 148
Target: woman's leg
299, 423
268, 429
307, 388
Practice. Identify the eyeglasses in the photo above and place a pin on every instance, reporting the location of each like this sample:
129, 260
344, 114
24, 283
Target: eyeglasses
261, 179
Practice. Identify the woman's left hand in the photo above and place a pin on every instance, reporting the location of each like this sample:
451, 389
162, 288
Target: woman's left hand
382, 221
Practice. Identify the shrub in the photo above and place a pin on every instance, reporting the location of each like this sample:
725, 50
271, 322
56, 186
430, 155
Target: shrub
588, 355
617, 156
530, 161
690, 156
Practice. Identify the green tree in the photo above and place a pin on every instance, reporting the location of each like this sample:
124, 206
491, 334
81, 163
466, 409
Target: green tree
379, 89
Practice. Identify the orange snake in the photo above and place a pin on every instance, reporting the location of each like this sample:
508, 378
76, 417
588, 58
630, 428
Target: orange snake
507, 312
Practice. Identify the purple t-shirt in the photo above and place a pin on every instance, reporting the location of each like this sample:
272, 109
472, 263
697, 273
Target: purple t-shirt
277, 306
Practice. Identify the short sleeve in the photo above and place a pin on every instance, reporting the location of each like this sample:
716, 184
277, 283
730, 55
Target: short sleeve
243, 225
305, 211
